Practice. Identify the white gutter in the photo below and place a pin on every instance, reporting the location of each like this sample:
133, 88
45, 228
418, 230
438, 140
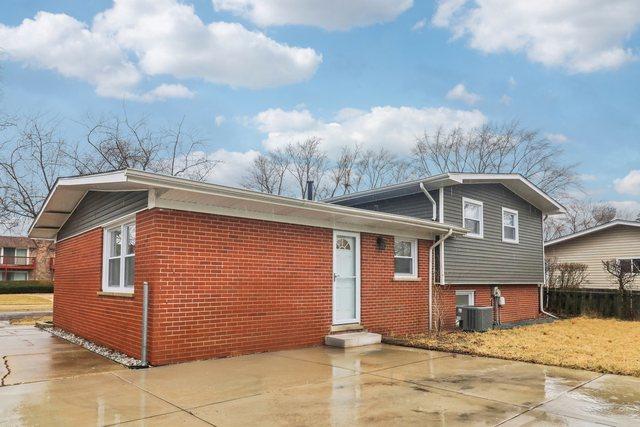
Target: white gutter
433, 202
436, 244
544, 278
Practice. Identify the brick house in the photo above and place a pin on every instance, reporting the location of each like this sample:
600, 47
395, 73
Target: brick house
231, 271
22, 258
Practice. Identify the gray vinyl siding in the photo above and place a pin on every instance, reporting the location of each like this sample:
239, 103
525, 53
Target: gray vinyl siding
415, 205
97, 208
490, 260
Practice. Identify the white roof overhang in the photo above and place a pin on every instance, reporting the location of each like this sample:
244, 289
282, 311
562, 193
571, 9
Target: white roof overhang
614, 223
183, 194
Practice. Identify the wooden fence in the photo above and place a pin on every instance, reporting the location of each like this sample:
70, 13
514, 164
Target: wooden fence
593, 302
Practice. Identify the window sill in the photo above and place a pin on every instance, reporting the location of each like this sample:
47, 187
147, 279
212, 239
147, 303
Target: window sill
116, 294
513, 242
406, 279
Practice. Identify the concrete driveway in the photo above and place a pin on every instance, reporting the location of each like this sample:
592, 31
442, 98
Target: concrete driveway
52, 382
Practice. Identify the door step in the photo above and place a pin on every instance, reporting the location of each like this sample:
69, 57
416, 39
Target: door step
349, 327
352, 339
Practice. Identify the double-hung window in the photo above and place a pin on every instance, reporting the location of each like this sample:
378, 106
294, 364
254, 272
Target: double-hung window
405, 257
119, 254
472, 217
510, 228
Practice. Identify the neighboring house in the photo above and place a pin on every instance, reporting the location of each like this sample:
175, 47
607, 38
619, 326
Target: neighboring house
617, 239
504, 247
232, 271
22, 258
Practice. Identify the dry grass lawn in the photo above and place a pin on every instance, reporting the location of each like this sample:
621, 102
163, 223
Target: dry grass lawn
604, 345
25, 302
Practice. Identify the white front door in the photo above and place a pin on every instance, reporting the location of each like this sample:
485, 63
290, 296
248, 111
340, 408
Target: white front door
346, 277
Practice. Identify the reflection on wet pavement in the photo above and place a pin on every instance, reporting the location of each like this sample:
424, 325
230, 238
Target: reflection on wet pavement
49, 381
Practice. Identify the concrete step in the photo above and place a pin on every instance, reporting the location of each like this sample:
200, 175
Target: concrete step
352, 339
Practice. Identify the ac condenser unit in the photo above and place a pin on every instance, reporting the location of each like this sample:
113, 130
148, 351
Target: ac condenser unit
477, 319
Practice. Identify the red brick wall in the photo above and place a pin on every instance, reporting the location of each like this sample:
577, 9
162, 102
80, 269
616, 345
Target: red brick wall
521, 302
392, 307
225, 286
110, 321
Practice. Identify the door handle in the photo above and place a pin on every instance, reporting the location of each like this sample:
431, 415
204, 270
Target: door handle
335, 276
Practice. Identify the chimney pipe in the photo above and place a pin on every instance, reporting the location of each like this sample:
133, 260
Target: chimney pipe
309, 190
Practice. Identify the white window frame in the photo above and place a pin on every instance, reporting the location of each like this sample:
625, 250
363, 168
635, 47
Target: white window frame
472, 301
414, 258
517, 226
120, 224
466, 200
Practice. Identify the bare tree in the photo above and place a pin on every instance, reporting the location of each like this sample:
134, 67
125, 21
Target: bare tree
32, 156
495, 149
580, 215
566, 275
267, 173
378, 168
623, 272
342, 177
307, 163
119, 142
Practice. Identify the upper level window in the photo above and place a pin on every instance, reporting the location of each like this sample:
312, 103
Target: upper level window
405, 257
119, 258
472, 217
510, 228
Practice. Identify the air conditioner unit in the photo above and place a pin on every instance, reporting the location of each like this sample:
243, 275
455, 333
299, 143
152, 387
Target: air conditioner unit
477, 319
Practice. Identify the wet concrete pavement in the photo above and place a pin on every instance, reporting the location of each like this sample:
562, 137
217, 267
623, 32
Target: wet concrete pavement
52, 382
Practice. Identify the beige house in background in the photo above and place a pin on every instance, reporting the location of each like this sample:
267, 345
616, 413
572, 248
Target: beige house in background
617, 239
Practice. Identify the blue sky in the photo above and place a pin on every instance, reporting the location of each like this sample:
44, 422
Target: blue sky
371, 69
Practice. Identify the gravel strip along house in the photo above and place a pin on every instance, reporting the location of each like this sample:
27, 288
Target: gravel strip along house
232, 271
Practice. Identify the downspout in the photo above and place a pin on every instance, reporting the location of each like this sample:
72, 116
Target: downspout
544, 283
436, 244
433, 202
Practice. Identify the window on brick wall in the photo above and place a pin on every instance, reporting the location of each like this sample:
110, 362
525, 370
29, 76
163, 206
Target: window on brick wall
118, 255
406, 257
463, 299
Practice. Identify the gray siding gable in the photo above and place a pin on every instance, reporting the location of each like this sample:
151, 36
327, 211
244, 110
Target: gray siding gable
490, 260
99, 207
415, 205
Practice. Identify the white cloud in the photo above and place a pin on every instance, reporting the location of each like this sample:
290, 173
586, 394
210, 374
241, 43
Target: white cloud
630, 184
579, 35
233, 166
219, 120
327, 14
627, 209
505, 100
418, 26
460, 93
395, 128
138, 38
61, 43
166, 91
557, 138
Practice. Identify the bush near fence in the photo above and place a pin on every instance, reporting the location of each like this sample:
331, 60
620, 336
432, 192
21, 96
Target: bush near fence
26, 287
594, 303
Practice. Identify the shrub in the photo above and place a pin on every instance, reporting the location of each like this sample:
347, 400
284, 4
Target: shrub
26, 287
566, 275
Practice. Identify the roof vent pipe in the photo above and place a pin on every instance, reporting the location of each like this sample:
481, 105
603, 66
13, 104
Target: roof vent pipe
433, 202
309, 190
